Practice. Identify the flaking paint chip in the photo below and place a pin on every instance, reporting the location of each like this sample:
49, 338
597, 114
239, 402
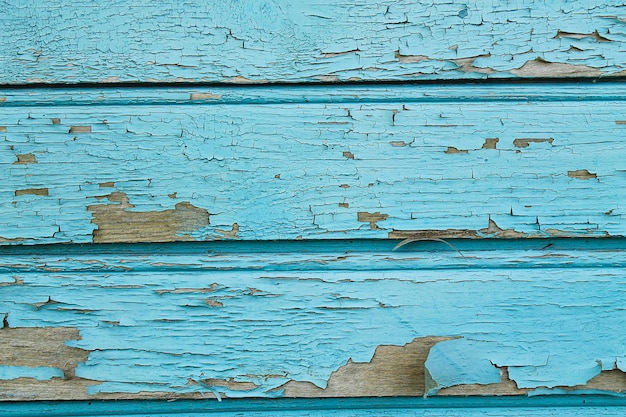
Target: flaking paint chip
80, 129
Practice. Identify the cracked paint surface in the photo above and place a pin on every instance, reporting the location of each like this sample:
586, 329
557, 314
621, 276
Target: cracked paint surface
277, 40
238, 320
312, 162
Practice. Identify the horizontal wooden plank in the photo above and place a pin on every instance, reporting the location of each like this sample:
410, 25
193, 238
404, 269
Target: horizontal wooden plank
235, 320
536, 406
416, 162
279, 40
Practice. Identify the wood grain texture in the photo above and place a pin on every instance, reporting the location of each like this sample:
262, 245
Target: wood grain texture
276, 320
279, 40
312, 163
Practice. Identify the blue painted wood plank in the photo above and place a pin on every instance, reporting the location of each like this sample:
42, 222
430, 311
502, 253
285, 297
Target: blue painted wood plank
467, 162
195, 321
278, 40
567, 406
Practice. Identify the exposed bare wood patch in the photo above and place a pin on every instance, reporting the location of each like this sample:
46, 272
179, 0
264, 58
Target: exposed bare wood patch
116, 224
348, 155
614, 380
29, 389
572, 35
453, 150
525, 142
32, 191
581, 174
620, 122
211, 302
16, 281
211, 288
45, 303
467, 64
397, 143
433, 234
243, 80
229, 234
204, 96
610, 381
393, 371
410, 59
494, 230
41, 346
80, 129
490, 143
371, 218
229, 384
56, 121
505, 387
344, 205
3, 129
27, 158
541, 68
108, 184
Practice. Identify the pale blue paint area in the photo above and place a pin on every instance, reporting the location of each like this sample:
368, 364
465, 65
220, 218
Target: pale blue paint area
459, 361
281, 170
280, 40
41, 373
302, 314
578, 373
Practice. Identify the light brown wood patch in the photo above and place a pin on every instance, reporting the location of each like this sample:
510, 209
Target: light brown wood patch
27, 158
80, 129
393, 371
371, 218
41, 346
117, 224
581, 174
32, 191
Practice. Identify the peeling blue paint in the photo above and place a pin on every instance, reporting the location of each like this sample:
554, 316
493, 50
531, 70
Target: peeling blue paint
316, 168
40, 373
151, 328
278, 40
457, 362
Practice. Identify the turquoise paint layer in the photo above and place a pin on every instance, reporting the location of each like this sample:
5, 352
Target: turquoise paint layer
41, 373
280, 40
503, 406
195, 312
307, 163
459, 361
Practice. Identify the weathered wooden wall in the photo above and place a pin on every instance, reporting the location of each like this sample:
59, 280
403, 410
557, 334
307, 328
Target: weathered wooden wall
278, 40
271, 199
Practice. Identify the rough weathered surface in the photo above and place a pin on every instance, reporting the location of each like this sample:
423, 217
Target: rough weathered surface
279, 40
237, 319
400, 162
268, 171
